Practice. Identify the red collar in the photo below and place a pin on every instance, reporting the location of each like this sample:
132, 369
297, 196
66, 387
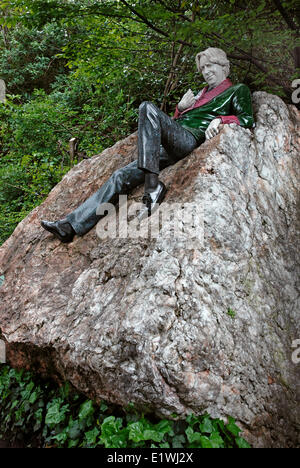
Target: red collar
205, 96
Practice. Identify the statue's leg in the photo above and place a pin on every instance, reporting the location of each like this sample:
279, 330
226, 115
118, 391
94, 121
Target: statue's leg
121, 182
155, 129
83, 218
161, 142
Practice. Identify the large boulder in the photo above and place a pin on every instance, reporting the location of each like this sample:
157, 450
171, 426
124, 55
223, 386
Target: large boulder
174, 326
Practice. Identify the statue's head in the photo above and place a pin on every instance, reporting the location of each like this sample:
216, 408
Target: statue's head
214, 65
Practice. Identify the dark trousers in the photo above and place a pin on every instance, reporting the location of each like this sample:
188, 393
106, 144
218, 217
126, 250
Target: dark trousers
161, 143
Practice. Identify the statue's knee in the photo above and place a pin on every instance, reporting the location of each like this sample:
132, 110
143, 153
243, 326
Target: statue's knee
146, 105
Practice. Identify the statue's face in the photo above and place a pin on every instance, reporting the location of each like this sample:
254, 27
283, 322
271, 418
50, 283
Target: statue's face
213, 73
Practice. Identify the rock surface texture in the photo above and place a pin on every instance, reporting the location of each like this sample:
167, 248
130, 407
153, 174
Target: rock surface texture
150, 321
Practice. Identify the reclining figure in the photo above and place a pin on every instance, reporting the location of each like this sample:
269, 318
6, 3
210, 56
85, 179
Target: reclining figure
162, 141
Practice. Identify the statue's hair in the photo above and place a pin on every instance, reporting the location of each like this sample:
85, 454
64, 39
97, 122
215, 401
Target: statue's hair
214, 55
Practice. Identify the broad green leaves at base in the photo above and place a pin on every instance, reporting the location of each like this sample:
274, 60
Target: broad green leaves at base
43, 415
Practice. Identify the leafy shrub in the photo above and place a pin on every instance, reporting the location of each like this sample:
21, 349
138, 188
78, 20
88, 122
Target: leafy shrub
34, 139
28, 57
43, 415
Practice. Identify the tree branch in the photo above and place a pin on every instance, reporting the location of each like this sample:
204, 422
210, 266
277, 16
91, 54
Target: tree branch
145, 20
263, 69
289, 21
153, 27
171, 74
173, 10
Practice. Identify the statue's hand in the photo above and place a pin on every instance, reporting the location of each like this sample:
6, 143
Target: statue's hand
187, 101
213, 128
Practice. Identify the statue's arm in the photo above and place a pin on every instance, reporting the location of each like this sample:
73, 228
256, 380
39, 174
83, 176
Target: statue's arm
242, 106
187, 102
242, 112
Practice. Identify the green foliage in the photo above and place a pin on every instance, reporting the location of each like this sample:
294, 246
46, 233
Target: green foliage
31, 163
39, 414
29, 58
148, 32
34, 140
231, 312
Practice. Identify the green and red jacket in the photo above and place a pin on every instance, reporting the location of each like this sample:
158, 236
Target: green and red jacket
231, 103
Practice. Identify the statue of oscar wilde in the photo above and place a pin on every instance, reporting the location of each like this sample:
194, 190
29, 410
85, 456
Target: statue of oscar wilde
163, 141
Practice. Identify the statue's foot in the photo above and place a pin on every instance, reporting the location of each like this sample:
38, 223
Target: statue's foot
152, 200
61, 229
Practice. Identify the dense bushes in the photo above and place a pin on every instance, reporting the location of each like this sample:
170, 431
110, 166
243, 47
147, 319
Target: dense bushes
39, 414
34, 138
29, 59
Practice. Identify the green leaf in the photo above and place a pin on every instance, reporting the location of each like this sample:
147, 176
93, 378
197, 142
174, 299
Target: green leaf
73, 443
136, 431
242, 443
38, 416
206, 426
56, 414
74, 430
231, 312
91, 436
111, 425
178, 441
232, 427
193, 436
164, 445
216, 440
103, 407
86, 410
111, 433
119, 440
191, 419
62, 437
33, 397
153, 435
205, 442
164, 426
189, 433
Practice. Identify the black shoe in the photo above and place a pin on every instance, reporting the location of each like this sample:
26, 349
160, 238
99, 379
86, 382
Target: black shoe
151, 200
61, 229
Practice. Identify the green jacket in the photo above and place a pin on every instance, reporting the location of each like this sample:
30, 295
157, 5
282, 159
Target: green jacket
234, 101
